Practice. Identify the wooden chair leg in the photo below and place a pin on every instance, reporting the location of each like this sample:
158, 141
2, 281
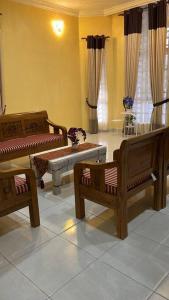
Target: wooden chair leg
79, 201
80, 207
34, 212
79, 204
157, 195
164, 193
121, 221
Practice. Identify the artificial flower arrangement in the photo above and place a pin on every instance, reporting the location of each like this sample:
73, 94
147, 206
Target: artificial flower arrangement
75, 135
128, 103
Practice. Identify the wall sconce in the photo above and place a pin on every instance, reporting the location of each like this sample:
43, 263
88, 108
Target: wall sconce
58, 27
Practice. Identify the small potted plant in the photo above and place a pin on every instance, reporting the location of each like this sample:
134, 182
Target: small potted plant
128, 103
129, 119
75, 135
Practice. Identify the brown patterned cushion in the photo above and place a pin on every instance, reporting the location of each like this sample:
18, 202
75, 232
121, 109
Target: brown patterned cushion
21, 185
15, 145
111, 180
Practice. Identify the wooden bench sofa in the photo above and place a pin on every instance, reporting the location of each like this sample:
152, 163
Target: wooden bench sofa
23, 134
137, 165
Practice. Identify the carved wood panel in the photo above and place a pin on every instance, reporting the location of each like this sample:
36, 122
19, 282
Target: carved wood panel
11, 129
37, 125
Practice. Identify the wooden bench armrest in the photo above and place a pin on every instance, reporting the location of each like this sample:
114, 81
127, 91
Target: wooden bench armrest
116, 154
57, 127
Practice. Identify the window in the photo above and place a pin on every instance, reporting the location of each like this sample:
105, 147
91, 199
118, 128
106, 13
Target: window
143, 106
143, 100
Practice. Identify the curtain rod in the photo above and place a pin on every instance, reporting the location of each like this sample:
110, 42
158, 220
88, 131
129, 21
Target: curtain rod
85, 38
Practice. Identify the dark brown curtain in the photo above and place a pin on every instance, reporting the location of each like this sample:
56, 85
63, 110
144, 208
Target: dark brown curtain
157, 49
132, 32
95, 46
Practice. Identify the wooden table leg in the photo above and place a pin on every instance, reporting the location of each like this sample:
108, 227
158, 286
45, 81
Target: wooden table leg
56, 177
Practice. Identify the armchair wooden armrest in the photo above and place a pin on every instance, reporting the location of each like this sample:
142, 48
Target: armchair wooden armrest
29, 174
95, 166
13, 172
116, 154
57, 127
96, 172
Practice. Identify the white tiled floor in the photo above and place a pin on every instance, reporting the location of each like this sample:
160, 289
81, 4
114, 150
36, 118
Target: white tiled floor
70, 259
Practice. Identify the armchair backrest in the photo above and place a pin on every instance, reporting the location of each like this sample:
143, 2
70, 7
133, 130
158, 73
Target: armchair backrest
140, 157
23, 124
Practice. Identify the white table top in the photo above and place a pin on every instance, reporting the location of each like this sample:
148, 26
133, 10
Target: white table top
74, 154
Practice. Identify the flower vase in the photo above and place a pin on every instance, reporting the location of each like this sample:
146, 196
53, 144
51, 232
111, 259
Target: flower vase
74, 146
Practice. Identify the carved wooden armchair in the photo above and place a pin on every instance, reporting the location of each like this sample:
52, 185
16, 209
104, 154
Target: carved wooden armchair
17, 192
137, 165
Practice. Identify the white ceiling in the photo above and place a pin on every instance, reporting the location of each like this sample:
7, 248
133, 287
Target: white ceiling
87, 7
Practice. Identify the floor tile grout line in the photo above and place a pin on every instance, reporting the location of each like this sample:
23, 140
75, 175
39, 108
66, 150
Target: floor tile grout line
15, 267
88, 251
78, 247
13, 264
161, 296
31, 281
28, 251
141, 223
159, 243
143, 285
80, 272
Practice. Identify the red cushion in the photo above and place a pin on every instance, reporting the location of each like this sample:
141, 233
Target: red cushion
111, 180
21, 185
15, 145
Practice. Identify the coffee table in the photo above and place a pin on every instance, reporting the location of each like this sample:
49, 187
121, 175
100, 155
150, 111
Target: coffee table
61, 160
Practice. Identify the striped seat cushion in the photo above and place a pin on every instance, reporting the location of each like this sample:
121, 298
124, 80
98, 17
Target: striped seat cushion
21, 185
17, 144
111, 180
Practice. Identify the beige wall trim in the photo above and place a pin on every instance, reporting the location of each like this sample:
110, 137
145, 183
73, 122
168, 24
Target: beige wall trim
124, 6
85, 13
49, 6
91, 13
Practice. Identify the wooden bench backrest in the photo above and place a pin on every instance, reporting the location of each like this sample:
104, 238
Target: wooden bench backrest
140, 156
23, 124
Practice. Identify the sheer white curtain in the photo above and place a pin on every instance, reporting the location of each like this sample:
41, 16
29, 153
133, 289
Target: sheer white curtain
143, 100
102, 107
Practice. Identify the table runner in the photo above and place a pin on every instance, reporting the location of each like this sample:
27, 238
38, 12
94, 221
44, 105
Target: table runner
41, 161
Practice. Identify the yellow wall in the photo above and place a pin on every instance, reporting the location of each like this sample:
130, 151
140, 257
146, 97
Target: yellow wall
40, 71
110, 26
